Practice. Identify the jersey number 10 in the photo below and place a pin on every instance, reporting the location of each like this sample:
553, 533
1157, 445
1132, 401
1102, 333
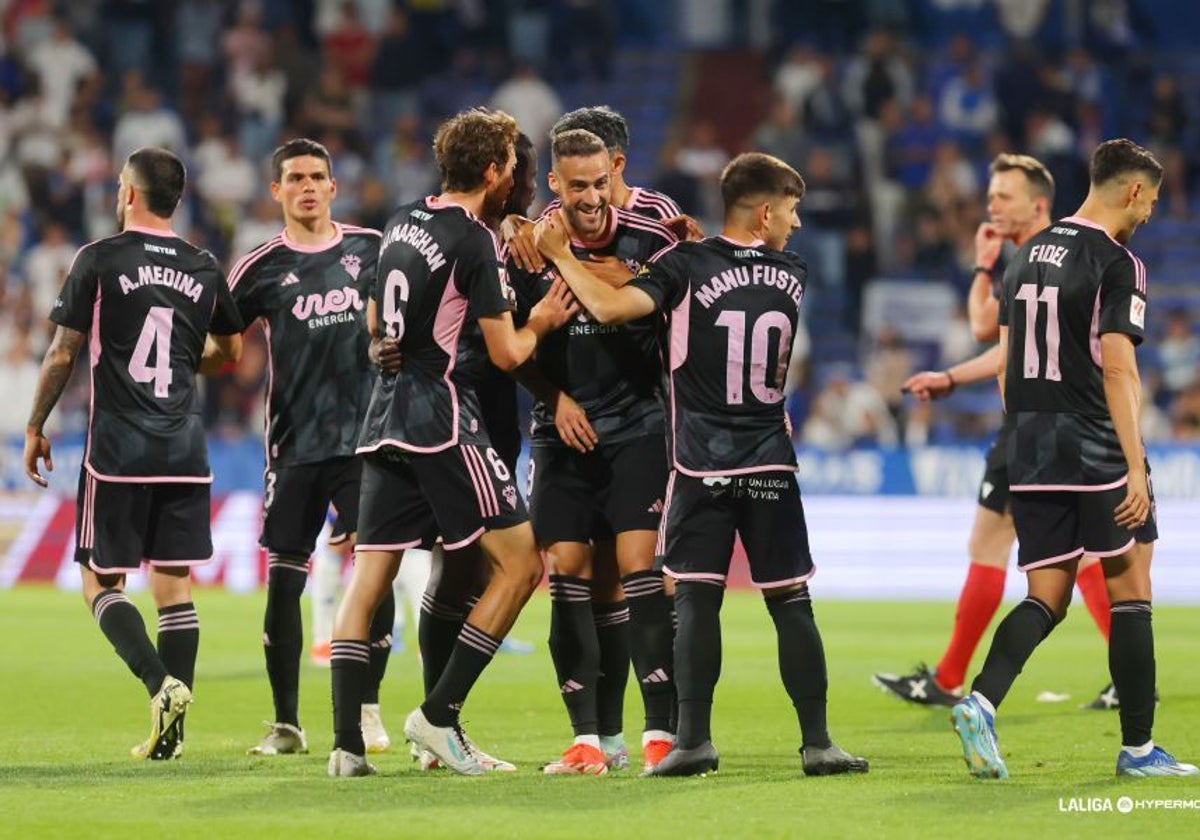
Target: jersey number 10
734, 320
156, 336
1031, 368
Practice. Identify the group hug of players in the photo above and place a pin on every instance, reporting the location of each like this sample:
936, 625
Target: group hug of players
656, 357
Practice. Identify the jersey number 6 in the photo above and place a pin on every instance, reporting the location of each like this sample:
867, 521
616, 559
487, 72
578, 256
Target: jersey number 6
395, 293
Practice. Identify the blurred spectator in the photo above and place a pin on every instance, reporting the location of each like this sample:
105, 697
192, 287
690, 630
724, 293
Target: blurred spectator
781, 135
227, 184
261, 224
397, 72
826, 114
1167, 116
62, 65
878, 75
848, 413
830, 205
258, 94
329, 105
702, 157
798, 76
46, 265
888, 364
403, 161
532, 102
19, 367
350, 47
197, 29
245, 43
1178, 356
146, 122
968, 106
673, 181
910, 149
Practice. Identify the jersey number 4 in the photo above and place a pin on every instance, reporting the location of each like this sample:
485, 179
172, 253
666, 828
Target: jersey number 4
734, 320
155, 337
1032, 366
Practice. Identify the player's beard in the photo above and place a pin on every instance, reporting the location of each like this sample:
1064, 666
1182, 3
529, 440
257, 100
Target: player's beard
494, 201
587, 227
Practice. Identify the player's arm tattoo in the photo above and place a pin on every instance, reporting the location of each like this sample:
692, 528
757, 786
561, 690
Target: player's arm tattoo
56, 370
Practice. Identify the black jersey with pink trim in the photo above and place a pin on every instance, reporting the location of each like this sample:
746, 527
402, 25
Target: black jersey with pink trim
312, 302
1065, 288
146, 299
642, 201
733, 311
439, 272
615, 373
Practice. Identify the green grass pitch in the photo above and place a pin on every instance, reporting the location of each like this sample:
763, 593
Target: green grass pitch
70, 712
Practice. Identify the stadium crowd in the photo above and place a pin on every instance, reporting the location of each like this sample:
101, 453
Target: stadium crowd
889, 110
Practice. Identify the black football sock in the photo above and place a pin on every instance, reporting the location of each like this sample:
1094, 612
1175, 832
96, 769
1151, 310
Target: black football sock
437, 632
381, 646
802, 662
1131, 664
350, 666
575, 649
1019, 633
472, 653
697, 658
179, 640
612, 638
122, 624
651, 639
283, 633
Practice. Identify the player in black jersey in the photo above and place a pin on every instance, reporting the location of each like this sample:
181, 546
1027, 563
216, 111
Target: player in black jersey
598, 460
430, 468
144, 300
733, 304
450, 589
1074, 308
1020, 195
309, 286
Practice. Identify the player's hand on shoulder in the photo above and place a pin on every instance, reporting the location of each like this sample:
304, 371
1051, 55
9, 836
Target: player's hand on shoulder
384, 353
517, 233
556, 307
550, 236
928, 385
37, 446
608, 269
573, 426
684, 227
987, 245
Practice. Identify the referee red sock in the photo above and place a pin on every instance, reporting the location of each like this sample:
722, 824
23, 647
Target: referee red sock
977, 604
1095, 596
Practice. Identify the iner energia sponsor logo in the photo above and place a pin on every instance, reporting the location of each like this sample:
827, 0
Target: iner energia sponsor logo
316, 308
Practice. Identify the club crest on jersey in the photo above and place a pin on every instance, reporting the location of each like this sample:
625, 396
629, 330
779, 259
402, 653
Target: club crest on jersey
510, 495
353, 265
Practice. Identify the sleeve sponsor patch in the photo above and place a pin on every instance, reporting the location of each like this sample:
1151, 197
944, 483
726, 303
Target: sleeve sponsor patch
1137, 312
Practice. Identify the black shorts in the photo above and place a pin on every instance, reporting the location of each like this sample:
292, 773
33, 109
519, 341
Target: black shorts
993, 490
296, 501
578, 496
119, 525
1059, 525
702, 515
408, 501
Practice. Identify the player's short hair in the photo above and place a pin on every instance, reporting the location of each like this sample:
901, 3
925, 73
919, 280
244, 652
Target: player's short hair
160, 176
1041, 182
755, 174
468, 143
575, 142
602, 121
1116, 158
299, 147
